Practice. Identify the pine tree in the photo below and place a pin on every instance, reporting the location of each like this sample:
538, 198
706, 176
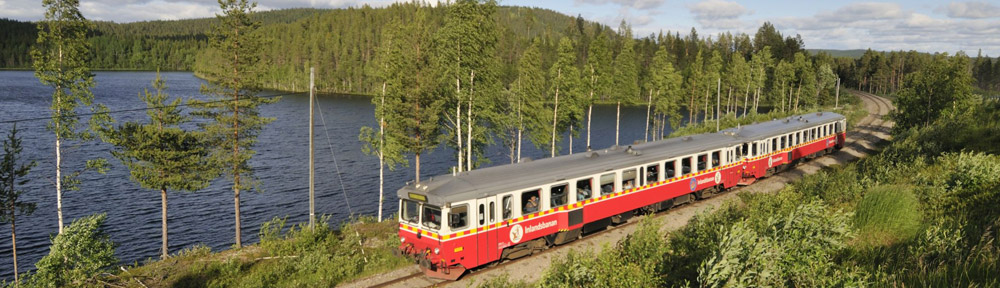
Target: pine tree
598, 76
235, 118
665, 91
60, 61
692, 82
626, 75
410, 87
160, 154
530, 87
12, 175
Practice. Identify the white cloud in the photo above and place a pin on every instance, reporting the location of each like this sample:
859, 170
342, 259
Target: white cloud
887, 26
637, 4
973, 10
718, 9
719, 14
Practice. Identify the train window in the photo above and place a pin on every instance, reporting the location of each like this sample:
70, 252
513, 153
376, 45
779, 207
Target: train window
686, 166
410, 212
458, 217
755, 145
716, 159
668, 169
508, 208
784, 142
628, 179
431, 217
607, 183
743, 151
493, 217
702, 162
652, 174
530, 201
482, 215
558, 195
583, 188
812, 134
774, 144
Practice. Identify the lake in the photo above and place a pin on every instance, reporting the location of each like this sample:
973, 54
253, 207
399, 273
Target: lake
206, 217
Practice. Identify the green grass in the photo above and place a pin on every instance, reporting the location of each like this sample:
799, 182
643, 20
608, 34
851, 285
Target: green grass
887, 215
301, 257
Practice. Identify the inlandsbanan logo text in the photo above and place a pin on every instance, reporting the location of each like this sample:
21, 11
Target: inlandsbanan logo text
540, 226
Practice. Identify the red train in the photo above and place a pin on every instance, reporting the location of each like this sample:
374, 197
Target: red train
452, 223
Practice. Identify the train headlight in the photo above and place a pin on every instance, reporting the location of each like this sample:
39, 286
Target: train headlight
437, 251
402, 240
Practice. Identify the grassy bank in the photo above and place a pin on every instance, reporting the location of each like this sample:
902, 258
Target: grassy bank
921, 213
297, 257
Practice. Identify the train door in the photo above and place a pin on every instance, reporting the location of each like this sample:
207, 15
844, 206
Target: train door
486, 239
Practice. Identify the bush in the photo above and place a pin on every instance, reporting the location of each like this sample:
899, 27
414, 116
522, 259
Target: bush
81, 252
795, 250
887, 215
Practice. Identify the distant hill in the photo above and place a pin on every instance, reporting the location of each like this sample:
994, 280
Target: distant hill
854, 53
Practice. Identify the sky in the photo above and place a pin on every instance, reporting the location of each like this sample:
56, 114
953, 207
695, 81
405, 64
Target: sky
921, 25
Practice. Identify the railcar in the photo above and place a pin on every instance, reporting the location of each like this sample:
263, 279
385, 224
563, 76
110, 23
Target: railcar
451, 223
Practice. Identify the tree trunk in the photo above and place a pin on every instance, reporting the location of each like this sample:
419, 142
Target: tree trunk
458, 123
798, 93
649, 105
570, 139
708, 92
555, 116
163, 222
59, 146
416, 160
13, 243
618, 120
468, 122
520, 128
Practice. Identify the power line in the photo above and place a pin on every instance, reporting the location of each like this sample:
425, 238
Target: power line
142, 109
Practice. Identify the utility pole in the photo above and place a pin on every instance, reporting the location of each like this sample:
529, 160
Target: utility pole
312, 172
836, 99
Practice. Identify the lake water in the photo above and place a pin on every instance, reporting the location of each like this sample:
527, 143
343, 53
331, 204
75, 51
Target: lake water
206, 217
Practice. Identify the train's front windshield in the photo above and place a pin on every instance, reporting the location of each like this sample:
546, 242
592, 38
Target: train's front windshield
410, 212
415, 213
431, 217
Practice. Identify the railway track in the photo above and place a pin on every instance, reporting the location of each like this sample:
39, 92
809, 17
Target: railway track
867, 133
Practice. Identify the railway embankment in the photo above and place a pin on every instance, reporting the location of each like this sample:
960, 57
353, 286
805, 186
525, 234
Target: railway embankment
917, 211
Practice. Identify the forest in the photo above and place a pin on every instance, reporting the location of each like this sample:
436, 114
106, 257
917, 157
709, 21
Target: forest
472, 74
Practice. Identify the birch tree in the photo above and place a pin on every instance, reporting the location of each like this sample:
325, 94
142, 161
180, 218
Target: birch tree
60, 61
598, 76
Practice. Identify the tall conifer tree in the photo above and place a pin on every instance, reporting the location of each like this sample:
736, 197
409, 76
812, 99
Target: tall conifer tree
626, 74
235, 118
12, 175
160, 154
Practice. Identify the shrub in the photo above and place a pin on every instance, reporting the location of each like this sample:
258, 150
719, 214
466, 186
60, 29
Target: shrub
887, 215
79, 253
794, 250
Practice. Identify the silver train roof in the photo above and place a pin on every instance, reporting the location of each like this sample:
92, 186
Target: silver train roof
479, 183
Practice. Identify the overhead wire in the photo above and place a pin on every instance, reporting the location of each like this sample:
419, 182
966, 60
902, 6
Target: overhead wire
140, 109
336, 165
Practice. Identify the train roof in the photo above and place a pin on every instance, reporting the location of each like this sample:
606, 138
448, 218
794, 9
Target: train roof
480, 183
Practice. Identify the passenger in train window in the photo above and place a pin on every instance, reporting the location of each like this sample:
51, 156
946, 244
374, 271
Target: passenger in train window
532, 205
628, 185
582, 190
